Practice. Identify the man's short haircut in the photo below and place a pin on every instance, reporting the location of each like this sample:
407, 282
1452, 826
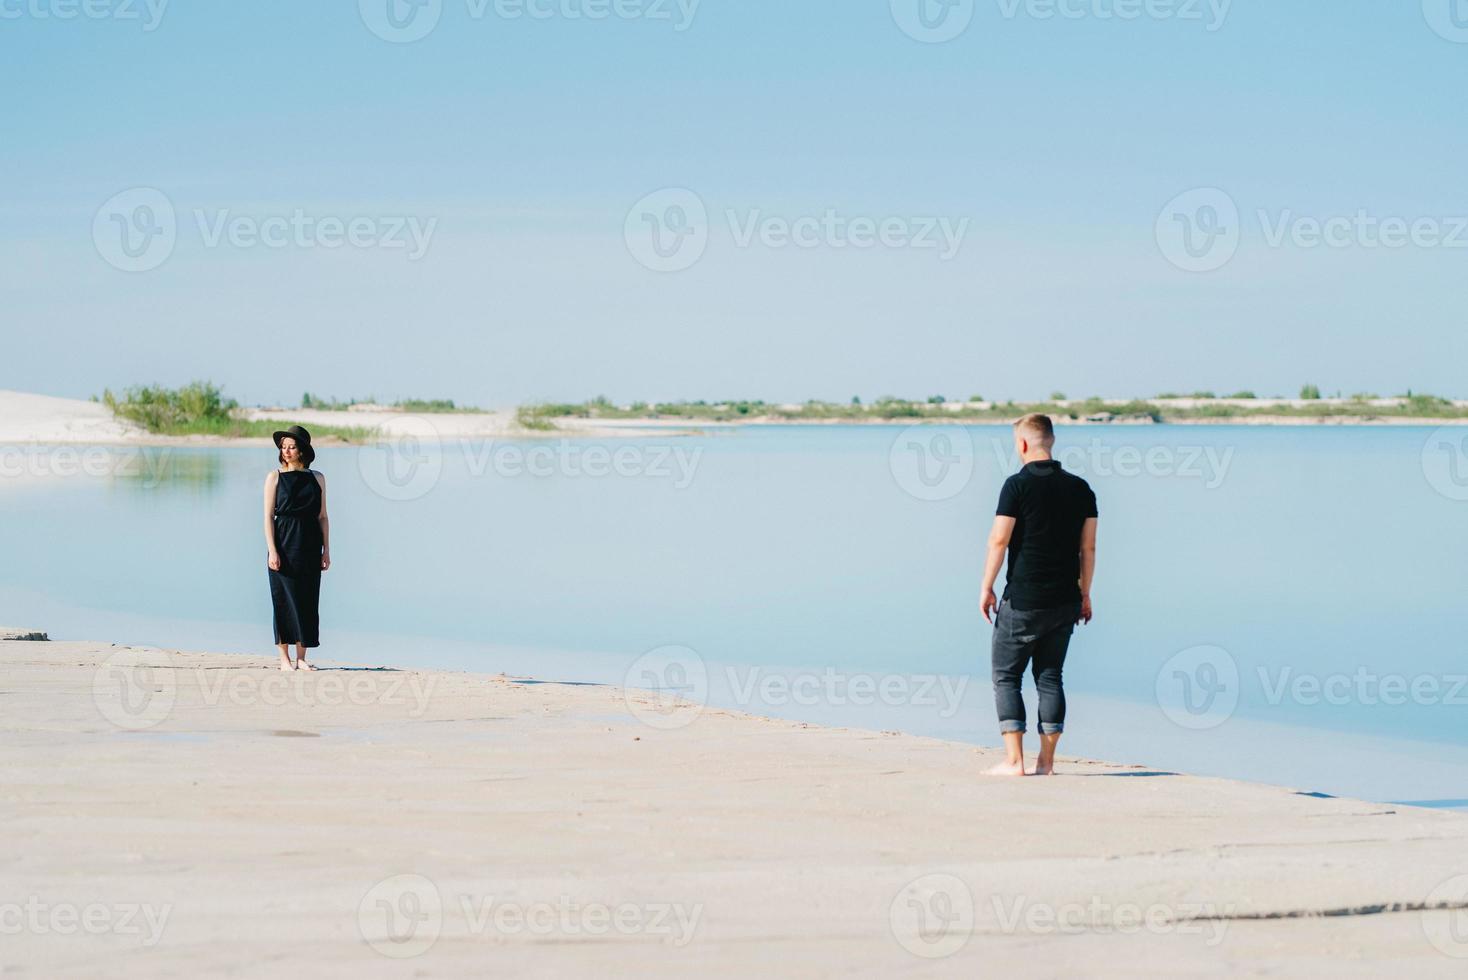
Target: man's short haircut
1037, 429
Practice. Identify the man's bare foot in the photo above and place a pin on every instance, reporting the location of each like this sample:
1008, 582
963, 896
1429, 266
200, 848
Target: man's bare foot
1006, 769
1044, 767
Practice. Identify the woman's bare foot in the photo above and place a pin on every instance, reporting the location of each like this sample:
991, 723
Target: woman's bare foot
1006, 769
285, 662
1044, 767
302, 665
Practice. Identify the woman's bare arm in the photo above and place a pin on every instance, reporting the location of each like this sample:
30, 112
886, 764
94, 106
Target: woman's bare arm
273, 560
325, 525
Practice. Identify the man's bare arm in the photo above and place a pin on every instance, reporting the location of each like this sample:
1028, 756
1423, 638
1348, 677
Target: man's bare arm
1088, 566
999, 536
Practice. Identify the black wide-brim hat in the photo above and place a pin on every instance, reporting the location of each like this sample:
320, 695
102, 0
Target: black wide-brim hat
302, 437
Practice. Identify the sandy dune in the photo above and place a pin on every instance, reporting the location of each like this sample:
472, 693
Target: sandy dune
205, 815
446, 425
27, 418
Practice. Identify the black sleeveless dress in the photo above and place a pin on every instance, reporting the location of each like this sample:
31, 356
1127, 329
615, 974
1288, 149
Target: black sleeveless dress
295, 590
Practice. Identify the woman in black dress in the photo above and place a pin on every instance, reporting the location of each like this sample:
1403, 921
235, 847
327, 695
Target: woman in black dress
298, 537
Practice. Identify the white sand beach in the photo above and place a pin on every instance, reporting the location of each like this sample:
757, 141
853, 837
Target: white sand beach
27, 418
174, 814
31, 418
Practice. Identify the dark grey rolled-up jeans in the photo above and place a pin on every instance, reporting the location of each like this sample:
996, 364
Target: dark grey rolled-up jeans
1037, 638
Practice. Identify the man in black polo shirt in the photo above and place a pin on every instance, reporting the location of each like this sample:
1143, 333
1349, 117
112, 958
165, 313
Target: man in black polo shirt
1046, 521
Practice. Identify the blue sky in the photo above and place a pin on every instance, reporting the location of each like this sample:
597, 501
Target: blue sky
1056, 142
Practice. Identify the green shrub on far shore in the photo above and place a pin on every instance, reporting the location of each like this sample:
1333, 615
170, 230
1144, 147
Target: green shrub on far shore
1427, 405
538, 418
200, 408
309, 400
432, 405
171, 410
422, 406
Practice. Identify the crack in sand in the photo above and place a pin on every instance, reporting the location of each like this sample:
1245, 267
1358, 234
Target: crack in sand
1354, 910
1214, 850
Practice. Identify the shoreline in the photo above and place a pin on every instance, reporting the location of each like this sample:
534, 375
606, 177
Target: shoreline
649, 428
41, 420
238, 816
954, 707
1062, 423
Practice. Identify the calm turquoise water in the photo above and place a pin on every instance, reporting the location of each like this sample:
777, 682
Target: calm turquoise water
1272, 603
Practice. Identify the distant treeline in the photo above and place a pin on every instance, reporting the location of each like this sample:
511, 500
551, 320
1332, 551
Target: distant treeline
540, 416
201, 408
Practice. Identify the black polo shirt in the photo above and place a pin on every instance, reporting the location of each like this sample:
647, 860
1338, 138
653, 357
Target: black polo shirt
1049, 506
